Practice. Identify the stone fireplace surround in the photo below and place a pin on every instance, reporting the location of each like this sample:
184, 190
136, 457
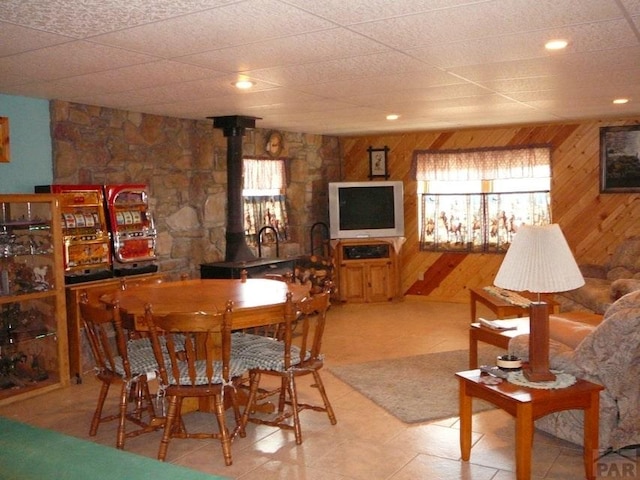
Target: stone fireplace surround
184, 163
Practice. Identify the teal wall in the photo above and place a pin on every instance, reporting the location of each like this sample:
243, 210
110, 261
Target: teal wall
30, 139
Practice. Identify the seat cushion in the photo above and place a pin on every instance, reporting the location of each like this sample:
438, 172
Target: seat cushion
260, 352
237, 368
141, 362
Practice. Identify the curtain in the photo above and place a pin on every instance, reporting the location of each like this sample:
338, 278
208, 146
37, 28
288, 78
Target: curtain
265, 200
482, 164
475, 200
261, 211
264, 175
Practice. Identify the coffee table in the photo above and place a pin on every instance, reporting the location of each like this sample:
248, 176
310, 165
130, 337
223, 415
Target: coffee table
527, 405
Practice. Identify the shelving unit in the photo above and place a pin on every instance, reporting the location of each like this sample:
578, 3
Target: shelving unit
33, 330
368, 270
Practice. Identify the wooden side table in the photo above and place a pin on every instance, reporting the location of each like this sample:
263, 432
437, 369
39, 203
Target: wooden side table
501, 307
527, 405
499, 338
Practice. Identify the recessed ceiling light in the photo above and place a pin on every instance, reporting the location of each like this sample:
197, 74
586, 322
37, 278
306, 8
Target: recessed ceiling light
393, 116
558, 44
620, 101
244, 84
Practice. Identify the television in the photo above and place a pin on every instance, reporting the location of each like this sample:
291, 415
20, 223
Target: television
366, 209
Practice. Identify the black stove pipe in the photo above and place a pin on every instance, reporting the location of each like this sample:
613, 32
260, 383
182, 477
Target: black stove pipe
233, 128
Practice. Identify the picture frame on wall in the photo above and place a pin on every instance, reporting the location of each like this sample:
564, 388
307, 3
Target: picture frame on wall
4, 140
378, 162
620, 159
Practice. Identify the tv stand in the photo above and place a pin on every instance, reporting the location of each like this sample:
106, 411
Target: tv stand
368, 270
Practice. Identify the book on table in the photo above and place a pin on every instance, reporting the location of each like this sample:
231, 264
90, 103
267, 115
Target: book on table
500, 325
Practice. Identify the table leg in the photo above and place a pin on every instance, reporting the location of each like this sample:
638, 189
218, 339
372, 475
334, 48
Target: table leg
465, 422
591, 432
472, 303
524, 440
473, 349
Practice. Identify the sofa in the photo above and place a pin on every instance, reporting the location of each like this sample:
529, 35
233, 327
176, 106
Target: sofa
607, 354
604, 284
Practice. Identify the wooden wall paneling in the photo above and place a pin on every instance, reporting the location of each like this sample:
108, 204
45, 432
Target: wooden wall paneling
593, 223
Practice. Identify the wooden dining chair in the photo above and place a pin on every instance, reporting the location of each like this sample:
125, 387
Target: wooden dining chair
120, 360
197, 364
286, 360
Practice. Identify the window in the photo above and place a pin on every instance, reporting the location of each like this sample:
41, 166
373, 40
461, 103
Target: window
264, 200
475, 200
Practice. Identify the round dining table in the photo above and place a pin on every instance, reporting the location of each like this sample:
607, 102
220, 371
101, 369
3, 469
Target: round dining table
256, 301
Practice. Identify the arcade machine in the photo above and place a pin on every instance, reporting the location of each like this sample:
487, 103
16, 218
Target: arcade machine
133, 232
87, 247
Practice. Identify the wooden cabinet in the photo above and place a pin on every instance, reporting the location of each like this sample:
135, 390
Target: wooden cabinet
33, 327
368, 270
80, 356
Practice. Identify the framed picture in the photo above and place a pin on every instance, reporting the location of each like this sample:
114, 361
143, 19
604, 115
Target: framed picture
4, 140
378, 162
620, 159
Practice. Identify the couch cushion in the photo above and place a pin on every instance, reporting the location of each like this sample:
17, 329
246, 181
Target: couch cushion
626, 255
569, 332
622, 286
594, 295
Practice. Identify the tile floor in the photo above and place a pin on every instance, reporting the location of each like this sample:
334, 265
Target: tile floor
367, 443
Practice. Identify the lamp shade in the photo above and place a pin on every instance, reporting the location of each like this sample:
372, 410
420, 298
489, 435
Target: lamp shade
539, 260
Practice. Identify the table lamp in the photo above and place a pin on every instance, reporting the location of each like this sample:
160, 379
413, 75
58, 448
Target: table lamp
539, 261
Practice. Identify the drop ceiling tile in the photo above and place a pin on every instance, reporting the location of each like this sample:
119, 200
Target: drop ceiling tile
350, 12
93, 17
399, 97
236, 24
523, 46
631, 6
314, 74
481, 20
595, 81
75, 58
566, 64
15, 39
340, 69
296, 49
584, 109
390, 81
163, 72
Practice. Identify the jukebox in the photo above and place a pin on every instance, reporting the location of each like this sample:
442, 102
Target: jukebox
133, 232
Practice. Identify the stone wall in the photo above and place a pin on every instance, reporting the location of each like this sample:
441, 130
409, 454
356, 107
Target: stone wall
184, 163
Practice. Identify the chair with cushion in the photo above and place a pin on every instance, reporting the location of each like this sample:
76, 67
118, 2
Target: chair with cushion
197, 363
120, 360
283, 359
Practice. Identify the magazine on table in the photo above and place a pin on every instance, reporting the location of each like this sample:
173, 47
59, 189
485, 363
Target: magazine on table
501, 325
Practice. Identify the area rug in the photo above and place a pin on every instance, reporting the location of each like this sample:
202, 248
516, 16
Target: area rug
415, 389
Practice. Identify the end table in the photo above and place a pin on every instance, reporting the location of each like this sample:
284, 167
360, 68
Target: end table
526, 405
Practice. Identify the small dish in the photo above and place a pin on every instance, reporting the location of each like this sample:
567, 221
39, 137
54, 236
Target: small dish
508, 362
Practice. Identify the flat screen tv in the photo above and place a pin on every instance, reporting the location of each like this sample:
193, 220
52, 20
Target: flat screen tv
366, 209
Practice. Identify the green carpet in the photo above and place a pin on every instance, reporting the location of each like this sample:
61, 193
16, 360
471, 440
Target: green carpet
415, 389
28, 452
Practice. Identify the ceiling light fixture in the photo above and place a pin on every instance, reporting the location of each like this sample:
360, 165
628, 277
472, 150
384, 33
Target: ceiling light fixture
558, 44
393, 116
621, 101
244, 84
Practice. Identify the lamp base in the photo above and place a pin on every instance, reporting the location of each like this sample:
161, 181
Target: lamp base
538, 376
538, 368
